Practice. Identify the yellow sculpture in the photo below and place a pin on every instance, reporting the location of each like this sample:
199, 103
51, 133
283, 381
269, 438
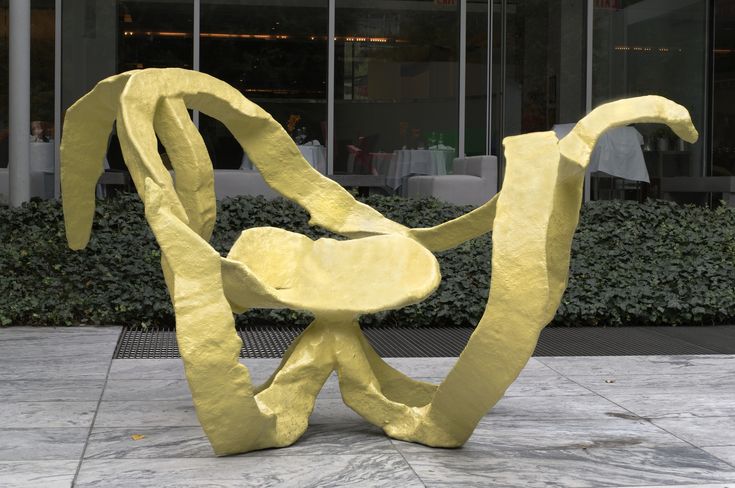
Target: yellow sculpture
384, 266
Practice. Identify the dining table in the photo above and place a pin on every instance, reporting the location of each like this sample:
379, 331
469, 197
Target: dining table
315, 155
617, 153
406, 162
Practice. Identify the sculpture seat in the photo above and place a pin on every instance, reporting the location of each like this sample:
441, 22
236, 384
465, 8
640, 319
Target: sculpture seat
356, 276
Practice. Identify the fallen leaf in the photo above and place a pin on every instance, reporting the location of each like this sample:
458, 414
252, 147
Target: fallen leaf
137, 437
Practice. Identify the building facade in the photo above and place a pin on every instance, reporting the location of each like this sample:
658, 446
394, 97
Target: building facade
380, 76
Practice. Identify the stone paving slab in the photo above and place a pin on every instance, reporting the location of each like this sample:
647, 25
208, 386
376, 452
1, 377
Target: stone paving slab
701, 431
726, 453
658, 383
647, 365
708, 485
45, 473
72, 416
389, 470
39, 443
676, 403
495, 434
579, 468
56, 390
190, 442
46, 414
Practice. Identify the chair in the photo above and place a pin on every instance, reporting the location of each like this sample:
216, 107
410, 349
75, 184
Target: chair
359, 155
474, 182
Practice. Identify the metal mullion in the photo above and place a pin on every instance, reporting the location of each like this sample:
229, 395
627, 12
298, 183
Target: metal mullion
196, 51
708, 97
57, 97
501, 99
489, 79
588, 83
329, 143
462, 75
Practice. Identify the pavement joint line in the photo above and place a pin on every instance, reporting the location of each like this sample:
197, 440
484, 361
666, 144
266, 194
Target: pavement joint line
410, 466
650, 420
94, 418
701, 448
633, 414
718, 457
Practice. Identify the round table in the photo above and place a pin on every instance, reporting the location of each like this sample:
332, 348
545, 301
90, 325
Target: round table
406, 162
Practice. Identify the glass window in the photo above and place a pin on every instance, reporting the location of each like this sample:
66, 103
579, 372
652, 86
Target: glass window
544, 72
644, 48
723, 94
154, 34
276, 54
41, 95
496, 81
43, 26
42, 75
541, 84
476, 85
88, 47
396, 87
103, 37
4, 115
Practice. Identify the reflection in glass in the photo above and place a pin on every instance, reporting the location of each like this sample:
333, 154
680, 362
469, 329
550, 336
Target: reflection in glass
496, 82
275, 53
544, 72
42, 75
4, 132
476, 85
396, 85
642, 48
154, 34
101, 38
723, 92
42, 66
538, 66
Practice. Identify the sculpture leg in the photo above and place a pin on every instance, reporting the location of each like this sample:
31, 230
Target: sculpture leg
396, 386
291, 391
362, 389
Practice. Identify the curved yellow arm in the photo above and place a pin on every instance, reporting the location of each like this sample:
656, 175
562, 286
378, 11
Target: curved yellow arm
268, 146
537, 213
87, 127
194, 175
451, 234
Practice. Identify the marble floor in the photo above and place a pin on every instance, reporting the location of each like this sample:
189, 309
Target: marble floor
72, 416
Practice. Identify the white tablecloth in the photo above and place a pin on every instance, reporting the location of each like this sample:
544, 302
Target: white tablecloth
42, 156
405, 162
618, 153
316, 156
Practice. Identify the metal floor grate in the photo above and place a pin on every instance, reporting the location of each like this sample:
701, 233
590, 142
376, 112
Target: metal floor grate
271, 342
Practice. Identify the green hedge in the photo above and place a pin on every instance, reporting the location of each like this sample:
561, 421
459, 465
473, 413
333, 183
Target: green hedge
656, 263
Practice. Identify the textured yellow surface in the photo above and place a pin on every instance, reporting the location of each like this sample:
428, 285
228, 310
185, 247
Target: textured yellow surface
385, 265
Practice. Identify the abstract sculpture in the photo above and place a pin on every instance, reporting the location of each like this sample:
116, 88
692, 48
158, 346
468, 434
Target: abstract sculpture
382, 266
